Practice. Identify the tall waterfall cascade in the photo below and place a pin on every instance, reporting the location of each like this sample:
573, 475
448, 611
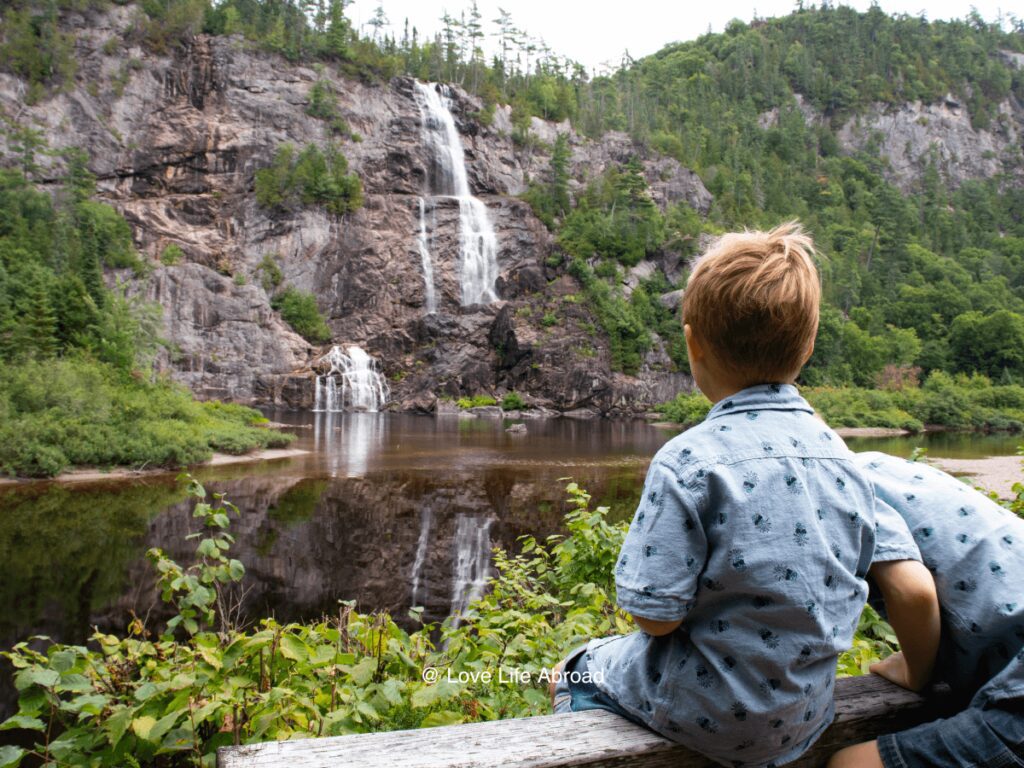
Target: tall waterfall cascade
478, 244
472, 562
353, 382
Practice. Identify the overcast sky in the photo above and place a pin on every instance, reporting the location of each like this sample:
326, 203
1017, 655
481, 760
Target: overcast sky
597, 32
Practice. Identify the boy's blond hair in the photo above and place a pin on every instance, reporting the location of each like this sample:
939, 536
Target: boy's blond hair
753, 299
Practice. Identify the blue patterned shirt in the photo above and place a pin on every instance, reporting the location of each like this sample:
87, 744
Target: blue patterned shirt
756, 529
975, 550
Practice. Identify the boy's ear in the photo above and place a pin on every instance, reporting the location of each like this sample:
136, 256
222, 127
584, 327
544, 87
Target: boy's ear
692, 343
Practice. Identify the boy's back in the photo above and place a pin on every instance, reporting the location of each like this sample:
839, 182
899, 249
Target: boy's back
975, 551
756, 527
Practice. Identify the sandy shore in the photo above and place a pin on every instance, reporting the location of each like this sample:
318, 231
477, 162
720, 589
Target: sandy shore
845, 432
993, 473
124, 473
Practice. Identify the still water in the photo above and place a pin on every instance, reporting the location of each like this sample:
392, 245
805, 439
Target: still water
388, 510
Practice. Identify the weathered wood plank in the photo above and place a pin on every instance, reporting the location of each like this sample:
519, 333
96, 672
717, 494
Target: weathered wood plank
865, 707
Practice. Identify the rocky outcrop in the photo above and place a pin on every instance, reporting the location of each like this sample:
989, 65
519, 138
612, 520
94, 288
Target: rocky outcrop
176, 139
913, 135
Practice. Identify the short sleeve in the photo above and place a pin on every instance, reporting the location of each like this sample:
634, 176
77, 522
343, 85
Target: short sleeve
656, 576
893, 540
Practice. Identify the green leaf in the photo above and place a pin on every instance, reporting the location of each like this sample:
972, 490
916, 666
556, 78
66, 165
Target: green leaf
62, 661
163, 725
208, 547
146, 691
444, 717
142, 726
75, 683
293, 648
21, 721
210, 656
117, 724
236, 570
362, 672
10, 756
47, 678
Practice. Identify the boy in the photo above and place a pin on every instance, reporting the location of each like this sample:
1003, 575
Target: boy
975, 549
744, 565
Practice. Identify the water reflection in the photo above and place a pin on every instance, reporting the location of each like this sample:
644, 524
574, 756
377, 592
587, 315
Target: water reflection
346, 441
472, 547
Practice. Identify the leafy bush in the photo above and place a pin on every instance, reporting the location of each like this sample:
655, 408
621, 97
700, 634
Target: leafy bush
313, 177
76, 411
476, 401
171, 255
512, 402
203, 683
270, 273
688, 408
299, 310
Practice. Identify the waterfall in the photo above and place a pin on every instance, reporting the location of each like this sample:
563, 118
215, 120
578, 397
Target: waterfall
478, 245
472, 562
425, 260
352, 383
426, 517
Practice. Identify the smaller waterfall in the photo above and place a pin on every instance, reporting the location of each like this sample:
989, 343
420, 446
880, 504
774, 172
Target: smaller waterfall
352, 383
427, 262
472, 562
426, 517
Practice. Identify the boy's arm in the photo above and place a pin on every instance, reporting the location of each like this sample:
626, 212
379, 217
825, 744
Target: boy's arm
912, 605
656, 576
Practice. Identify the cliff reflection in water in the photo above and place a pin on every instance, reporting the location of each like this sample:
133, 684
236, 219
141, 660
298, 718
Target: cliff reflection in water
388, 510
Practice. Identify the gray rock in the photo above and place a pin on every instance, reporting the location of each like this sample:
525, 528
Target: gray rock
516, 429
672, 300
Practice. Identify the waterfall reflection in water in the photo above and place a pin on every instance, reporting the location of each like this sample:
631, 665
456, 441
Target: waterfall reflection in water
472, 564
347, 441
426, 517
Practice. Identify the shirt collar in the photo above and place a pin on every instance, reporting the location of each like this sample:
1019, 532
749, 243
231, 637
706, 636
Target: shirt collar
761, 397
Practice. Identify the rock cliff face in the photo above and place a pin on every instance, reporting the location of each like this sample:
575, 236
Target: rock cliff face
176, 140
916, 134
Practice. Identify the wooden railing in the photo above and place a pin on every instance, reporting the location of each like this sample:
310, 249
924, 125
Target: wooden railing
865, 708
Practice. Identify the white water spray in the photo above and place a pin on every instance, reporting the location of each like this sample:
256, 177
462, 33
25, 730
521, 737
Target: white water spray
353, 382
426, 261
472, 562
478, 245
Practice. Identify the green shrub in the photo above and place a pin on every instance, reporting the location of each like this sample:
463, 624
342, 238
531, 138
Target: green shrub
299, 310
271, 276
313, 177
171, 255
476, 401
688, 408
512, 402
75, 411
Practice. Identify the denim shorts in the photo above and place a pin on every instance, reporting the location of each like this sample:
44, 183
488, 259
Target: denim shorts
575, 695
976, 737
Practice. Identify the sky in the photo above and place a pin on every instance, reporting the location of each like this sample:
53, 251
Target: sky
596, 33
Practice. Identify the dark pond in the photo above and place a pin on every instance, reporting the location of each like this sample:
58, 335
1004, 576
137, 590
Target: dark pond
389, 510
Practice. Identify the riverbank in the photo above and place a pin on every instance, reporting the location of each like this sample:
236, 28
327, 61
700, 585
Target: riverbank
91, 475
992, 473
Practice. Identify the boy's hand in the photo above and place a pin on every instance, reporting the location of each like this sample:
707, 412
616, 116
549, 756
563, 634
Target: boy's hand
894, 669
